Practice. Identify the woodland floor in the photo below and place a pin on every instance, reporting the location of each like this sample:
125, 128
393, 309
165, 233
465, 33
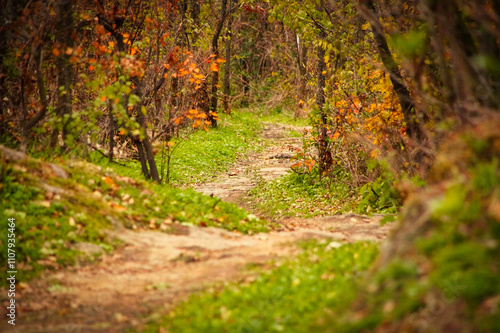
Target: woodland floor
152, 271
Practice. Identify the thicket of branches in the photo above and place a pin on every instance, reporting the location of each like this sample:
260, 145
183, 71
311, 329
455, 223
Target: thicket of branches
376, 79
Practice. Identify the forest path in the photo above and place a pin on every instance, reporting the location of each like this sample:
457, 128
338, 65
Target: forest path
153, 271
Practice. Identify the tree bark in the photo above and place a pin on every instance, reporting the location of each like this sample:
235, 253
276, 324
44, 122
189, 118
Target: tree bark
111, 132
64, 103
42, 91
301, 59
146, 143
215, 74
413, 128
227, 65
324, 155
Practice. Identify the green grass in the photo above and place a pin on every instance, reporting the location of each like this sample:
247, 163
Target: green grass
53, 214
299, 195
279, 115
289, 298
202, 156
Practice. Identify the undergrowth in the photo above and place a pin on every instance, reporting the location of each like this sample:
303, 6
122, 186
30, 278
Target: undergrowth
304, 195
289, 298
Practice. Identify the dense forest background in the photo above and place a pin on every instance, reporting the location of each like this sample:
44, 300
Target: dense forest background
402, 98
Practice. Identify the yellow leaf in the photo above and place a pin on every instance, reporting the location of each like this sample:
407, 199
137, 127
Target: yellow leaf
365, 26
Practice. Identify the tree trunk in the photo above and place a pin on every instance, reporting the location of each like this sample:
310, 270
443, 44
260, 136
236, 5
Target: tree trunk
407, 105
215, 74
111, 132
301, 59
146, 143
64, 103
42, 91
324, 155
227, 65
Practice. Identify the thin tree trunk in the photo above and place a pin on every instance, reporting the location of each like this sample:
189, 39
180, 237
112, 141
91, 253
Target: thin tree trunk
407, 105
215, 74
301, 56
325, 159
64, 103
42, 91
227, 65
146, 143
111, 132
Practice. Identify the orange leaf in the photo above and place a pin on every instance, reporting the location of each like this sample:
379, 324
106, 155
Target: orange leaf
214, 67
122, 132
91, 68
103, 98
56, 52
108, 180
69, 51
118, 208
177, 121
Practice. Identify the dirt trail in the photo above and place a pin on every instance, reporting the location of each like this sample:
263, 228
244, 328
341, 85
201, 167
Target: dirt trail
155, 270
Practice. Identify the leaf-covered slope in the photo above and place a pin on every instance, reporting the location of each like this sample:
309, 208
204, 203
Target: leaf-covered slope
61, 211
